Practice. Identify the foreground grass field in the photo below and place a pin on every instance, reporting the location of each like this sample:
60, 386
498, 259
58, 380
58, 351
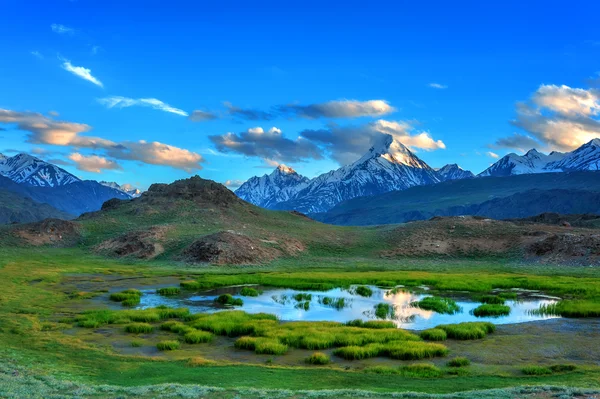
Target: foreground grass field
34, 293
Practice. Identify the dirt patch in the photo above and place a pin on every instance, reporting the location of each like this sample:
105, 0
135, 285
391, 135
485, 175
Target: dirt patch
57, 232
227, 247
567, 247
143, 244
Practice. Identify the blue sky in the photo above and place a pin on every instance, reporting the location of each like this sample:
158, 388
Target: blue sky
336, 74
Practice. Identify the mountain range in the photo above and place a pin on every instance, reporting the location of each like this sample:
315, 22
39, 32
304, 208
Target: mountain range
390, 166
32, 189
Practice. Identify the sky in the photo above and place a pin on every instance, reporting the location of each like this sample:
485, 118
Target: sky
139, 92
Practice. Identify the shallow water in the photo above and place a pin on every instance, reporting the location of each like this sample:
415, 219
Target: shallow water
279, 301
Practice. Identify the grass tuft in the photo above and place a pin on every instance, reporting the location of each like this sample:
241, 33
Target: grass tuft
197, 337
438, 304
168, 291
139, 328
421, 370
536, 370
318, 358
249, 291
167, 345
130, 297
227, 299
562, 368
384, 310
434, 334
364, 291
375, 324
488, 310
459, 362
468, 330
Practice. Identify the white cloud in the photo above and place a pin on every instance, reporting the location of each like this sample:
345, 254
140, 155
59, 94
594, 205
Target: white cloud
46, 130
340, 109
233, 184
492, 155
83, 73
93, 163
37, 54
125, 102
437, 86
567, 101
62, 29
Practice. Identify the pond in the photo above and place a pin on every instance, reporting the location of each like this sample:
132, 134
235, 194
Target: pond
344, 304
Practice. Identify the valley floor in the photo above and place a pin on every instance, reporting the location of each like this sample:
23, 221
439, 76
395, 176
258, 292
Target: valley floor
41, 358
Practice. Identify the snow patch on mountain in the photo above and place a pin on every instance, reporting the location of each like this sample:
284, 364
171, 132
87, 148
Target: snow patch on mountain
453, 172
27, 169
125, 188
586, 157
281, 185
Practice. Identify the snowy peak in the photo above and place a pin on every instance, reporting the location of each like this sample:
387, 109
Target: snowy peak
125, 188
586, 157
267, 190
27, 169
453, 172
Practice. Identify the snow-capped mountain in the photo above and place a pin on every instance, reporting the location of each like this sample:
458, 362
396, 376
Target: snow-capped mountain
281, 185
27, 169
532, 162
387, 166
586, 157
453, 172
126, 188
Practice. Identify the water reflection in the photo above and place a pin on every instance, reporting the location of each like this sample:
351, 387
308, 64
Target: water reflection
343, 305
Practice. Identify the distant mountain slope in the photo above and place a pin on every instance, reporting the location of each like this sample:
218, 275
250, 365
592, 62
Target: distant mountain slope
453, 172
75, 198
460, 197
586, 157
27, 169
387, 166
532, 162
126, 188
15, 208
266, 191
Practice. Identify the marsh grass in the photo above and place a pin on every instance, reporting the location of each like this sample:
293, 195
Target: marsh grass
261, 346
536, 370
197, 337
508, 295
335, 303
129, 298
228, 299
168, 291
249, 291
98, 318
363, 291
487, 310
139, 328
318, 358
375, 324
235, 323
492, 299
459, 362
434, 334
563, 368
421, 370
137, 343
570, 308
168, 345
438, 304
468, 330
400, 350
384, 310
300, 297
303, 305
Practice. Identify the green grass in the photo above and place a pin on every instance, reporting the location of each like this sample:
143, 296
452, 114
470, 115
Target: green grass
438, 304
302, 296
459, 362
228, 299
536, 370
335, 303
384, 310
318, 358
434, 334
377, 324
303, 305
137, 343
234, 323
487, 310
364, 291
249, 291
401, 350
139, 328
197, 337
468, 330
421, 370
508, 295
563, 368
261, 346
571, 308
167, 345
492, 299
128, 298
168, 291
